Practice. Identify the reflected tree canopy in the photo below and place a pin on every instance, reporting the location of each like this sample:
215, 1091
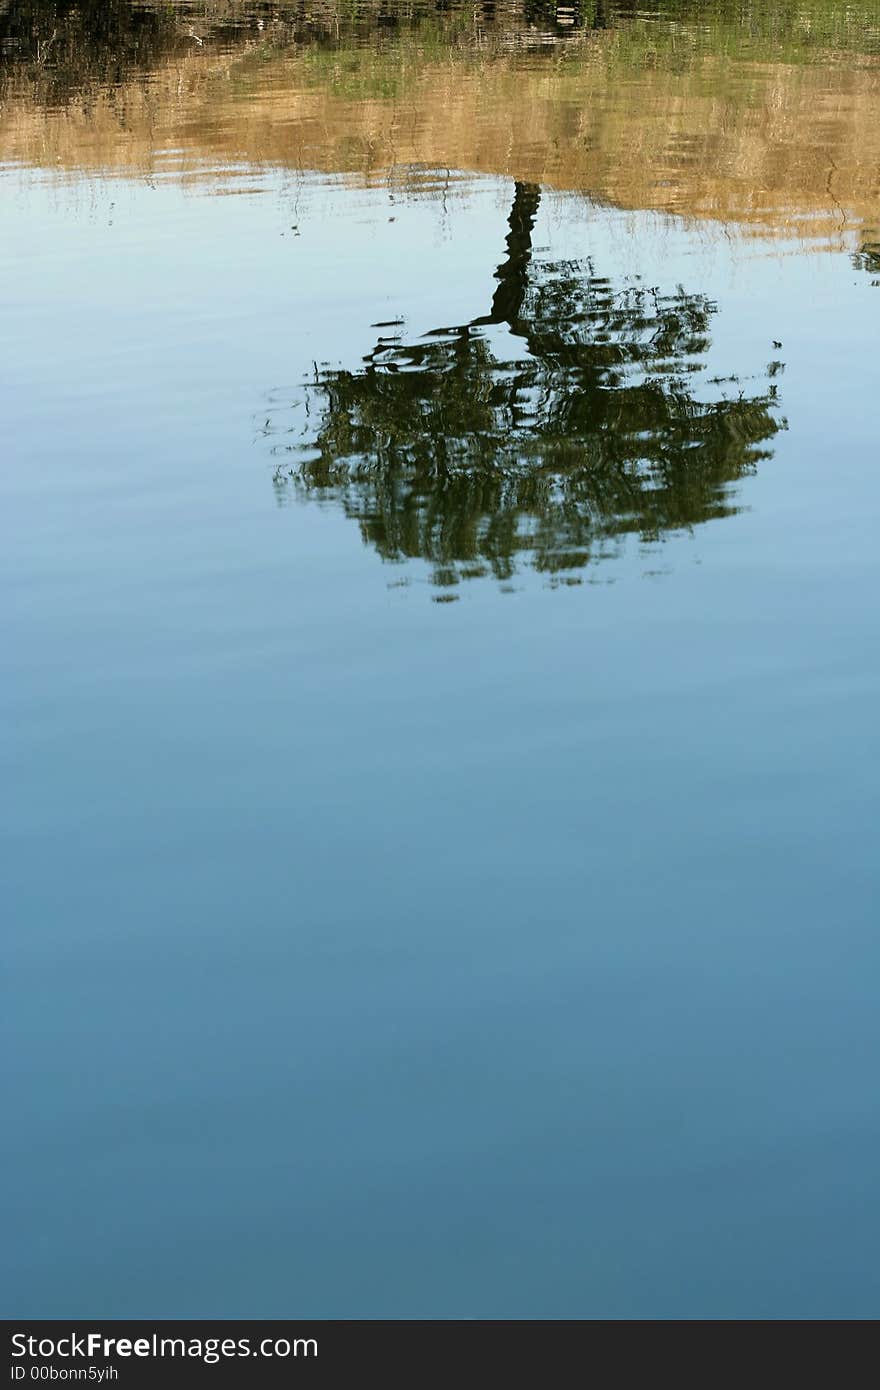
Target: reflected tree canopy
569, 413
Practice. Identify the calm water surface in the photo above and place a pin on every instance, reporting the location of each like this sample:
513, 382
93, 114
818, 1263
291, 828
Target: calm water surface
440, 664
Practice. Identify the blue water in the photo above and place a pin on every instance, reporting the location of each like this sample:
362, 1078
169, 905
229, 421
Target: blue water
369, 956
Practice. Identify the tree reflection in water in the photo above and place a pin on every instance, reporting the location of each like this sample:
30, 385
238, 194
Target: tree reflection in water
476, 448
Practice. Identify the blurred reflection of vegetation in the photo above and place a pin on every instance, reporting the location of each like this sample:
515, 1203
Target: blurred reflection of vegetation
462, 452
868, 258
64, 46
754, 112
67, 45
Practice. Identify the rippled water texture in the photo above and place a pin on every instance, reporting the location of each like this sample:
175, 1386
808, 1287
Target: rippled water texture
438, 503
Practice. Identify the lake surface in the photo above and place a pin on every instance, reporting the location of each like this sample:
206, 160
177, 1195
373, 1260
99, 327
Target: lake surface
440, 671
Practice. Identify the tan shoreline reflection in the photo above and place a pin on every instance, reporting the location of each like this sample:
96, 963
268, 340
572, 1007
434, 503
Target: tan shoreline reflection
676, 123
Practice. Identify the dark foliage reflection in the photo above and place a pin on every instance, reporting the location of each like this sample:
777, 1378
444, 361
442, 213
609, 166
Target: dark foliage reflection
569, 413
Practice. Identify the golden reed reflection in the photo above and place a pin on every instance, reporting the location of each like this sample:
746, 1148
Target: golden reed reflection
719, 112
